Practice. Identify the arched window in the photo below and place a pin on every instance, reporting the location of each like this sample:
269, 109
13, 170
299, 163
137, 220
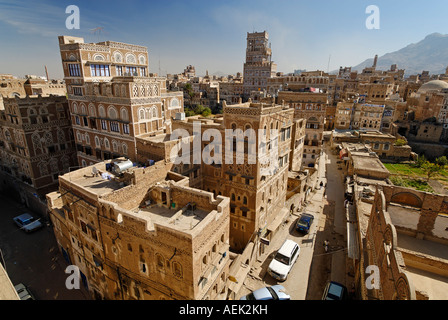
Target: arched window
48, 139
32, 112
155, 90
83, 109
174, 103
61, 136
130, 58
112, 112
177, 269
92, 111
102, 111
141, 59
98, 57
8, 135
124, 114
35, 139
160, 261
43, 168
118, 57
97, 142
106, 143
124, 147
75, 108
154, 112
54, 165
43, 110
65, 160
141, 114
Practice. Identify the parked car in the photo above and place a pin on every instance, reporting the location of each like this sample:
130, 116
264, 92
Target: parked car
27, 222
335, 291
304, 223
276, 292
23, 292
284, 259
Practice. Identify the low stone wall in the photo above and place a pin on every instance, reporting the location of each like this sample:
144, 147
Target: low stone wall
425, 262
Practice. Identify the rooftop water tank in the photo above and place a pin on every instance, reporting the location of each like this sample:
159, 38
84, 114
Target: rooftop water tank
120, 167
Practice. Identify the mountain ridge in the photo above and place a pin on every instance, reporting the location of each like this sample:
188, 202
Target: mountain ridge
429, 54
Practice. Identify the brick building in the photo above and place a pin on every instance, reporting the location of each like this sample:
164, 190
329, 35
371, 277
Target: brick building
258, 67
36, 146
142, 233
310, 106
112, 97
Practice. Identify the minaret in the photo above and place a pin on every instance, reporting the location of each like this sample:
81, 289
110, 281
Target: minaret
46, 73
375, 61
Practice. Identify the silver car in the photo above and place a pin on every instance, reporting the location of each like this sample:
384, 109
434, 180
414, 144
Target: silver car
276, 292
27, 222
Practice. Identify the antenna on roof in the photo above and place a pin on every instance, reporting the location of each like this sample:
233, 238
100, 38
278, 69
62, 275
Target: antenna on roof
97, 30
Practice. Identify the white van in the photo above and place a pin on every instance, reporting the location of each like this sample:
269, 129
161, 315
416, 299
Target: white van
283, 261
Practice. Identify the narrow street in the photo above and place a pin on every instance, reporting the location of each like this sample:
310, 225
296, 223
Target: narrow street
332, 227
314, 266
33, 259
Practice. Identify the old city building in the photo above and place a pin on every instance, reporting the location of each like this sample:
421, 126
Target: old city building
258, 67
11, 87
310, 106
142, 233
403, 233
112, 97
383, 144
36, 146
255, 193
256, 186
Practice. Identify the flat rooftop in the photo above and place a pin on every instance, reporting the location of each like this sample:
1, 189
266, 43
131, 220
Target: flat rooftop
362, 161
100, 184
177, 218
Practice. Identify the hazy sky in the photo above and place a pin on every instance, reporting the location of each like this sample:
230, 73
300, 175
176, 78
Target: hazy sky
211, 35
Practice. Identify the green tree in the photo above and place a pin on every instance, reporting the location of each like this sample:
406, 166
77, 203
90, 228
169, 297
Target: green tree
431, 169
189, 89
421, 160
400, 142
442, 161
206, 112
199, 109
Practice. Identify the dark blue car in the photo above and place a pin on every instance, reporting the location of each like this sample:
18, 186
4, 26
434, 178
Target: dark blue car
304, 223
